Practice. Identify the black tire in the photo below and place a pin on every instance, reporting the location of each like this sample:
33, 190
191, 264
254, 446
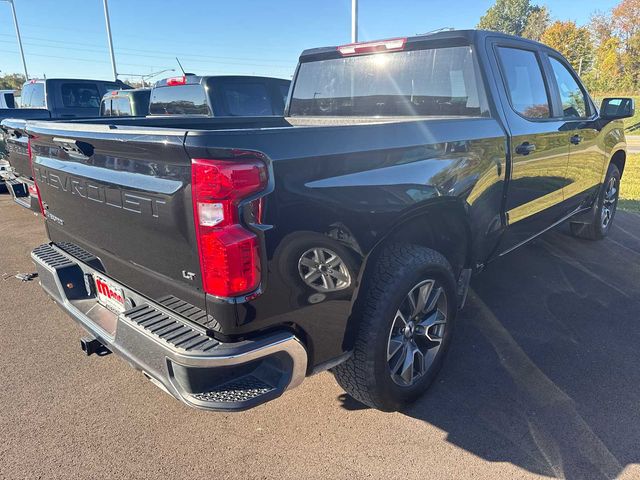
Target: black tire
367, 374
594, 226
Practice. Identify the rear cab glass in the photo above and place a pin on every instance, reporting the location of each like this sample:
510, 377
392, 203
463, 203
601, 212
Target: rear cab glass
440, 81
190, 99
246, 99
80, 95
115, 106
33, 95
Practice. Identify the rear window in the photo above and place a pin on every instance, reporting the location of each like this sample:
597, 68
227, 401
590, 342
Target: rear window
438, 81
179, 100
246, 99
80, 95
33, 95
9, 101
116, 107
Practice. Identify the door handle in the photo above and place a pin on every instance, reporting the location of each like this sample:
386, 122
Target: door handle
525, 148
75, 148
576, 139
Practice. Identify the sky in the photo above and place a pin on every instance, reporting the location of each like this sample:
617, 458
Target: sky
67, 38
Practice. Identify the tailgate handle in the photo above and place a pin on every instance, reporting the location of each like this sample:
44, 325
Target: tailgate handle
75, 148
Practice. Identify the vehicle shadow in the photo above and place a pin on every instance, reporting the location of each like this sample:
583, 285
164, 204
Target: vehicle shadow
543, 371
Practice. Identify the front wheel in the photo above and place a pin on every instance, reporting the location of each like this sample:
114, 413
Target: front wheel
601, 216
405, 324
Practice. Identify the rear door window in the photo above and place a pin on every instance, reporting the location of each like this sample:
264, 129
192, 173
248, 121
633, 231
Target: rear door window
524, 82
80, 95
179, 100
246, 99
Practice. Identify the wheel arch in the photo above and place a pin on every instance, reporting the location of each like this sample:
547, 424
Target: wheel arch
442, 226
619, 159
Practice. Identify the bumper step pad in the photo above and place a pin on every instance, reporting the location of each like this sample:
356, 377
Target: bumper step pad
241, 390
172, 330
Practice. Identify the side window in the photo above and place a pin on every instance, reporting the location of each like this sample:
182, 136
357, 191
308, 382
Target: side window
574, 103
525, 82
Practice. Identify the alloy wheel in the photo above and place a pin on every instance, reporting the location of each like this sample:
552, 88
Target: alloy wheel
417, 332
324, 270
610, 202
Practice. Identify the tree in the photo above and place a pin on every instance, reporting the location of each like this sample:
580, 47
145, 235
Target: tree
512, 17
11, 81
573, 42
626, 19
538, 21
606, 74
601, 27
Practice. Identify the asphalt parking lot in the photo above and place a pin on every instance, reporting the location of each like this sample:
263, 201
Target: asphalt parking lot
542, 380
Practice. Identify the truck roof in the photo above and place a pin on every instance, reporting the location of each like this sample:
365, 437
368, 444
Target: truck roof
38, 80
447, 36
196, 79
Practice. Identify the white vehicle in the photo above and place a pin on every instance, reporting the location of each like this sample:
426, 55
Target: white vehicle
7, 99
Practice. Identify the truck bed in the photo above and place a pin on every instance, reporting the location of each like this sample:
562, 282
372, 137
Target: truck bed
120, 190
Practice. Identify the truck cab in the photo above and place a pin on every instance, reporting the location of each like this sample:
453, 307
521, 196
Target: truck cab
126, 103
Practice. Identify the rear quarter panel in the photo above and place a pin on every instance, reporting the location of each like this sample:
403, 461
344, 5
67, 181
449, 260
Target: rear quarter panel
354, 185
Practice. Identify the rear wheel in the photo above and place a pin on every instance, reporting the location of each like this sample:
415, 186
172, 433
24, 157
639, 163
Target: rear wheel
601, 216
405, 324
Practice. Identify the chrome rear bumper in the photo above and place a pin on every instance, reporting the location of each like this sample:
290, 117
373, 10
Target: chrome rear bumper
176, 354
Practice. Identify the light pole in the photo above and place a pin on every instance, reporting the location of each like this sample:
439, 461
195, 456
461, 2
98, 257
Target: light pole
113, 57
15, 22
354, 21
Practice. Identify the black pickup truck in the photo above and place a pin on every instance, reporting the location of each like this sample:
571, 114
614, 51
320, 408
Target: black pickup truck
228, 258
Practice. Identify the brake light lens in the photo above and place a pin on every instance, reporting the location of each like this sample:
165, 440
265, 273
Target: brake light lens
173, 81
380, 46
229, 253
35, 190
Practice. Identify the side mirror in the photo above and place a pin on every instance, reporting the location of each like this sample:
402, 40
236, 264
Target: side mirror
616, 108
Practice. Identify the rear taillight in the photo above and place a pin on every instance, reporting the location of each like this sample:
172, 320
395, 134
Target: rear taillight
35, 190
229, 253
173, 81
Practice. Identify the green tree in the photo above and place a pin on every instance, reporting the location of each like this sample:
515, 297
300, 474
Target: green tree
573, 42
538, 21
606, 74
11, 81
512, 17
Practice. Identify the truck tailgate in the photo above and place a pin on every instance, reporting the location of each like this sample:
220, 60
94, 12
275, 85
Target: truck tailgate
123, 195
16, 146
